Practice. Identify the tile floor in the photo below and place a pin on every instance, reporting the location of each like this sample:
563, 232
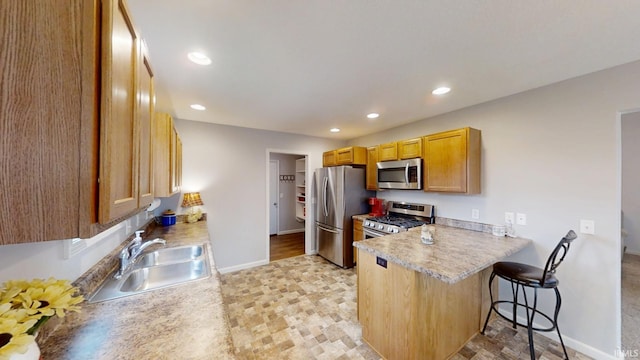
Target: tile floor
305, 308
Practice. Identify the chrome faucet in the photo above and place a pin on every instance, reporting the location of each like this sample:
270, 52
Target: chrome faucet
130, 253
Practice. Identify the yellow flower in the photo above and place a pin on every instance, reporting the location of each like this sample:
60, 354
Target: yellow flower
13, 337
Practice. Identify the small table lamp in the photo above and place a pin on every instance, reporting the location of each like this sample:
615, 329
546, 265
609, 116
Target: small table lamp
191, 200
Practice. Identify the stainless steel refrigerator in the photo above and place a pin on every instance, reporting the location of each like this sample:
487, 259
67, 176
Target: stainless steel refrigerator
340, 193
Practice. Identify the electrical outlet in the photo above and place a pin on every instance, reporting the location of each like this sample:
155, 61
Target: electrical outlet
509, 218
521, 219
587, 227
475, 214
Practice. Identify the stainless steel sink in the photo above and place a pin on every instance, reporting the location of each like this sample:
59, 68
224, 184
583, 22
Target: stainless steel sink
170, 256
156, 270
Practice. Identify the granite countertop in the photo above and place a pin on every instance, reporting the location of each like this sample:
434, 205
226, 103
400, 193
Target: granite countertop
187, 321
455, 255
361, 217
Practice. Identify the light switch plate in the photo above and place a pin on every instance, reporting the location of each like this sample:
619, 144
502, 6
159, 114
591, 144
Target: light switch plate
475, 214
587, 227
521, 219
509, 218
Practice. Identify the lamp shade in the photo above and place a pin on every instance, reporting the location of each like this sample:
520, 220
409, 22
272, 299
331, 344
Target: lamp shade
191, 199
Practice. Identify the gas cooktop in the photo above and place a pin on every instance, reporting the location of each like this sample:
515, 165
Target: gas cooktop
400, 217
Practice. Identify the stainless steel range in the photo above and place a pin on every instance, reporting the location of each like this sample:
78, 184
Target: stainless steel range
401, 216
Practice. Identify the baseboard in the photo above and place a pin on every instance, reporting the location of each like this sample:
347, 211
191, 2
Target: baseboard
572, 343
242, 266
294, 231
632, 252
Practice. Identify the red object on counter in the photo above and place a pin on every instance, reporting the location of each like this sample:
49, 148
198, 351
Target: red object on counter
377, 207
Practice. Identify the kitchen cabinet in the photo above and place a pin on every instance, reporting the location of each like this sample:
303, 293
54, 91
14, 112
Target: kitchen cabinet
358, 235
168, 157
388, 151
410, 149
329, 158
352, 155
146, 105
452, 161
301, 189
372, 168
72, 136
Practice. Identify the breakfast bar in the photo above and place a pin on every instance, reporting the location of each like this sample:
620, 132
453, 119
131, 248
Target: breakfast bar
431, 298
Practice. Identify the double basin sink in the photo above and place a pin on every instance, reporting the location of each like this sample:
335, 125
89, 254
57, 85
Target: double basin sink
157, 269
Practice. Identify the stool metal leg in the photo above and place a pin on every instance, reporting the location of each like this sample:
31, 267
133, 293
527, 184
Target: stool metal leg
555, 321
532, 351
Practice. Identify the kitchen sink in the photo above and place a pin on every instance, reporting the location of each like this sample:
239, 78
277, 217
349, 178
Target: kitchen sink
170, 256
156, 270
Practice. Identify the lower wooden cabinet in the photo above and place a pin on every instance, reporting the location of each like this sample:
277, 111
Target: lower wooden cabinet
358, 235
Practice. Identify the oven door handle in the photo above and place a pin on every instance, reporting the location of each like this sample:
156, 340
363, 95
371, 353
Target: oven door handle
372, 233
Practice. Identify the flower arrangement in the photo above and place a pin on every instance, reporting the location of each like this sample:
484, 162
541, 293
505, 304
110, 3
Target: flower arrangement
27, 305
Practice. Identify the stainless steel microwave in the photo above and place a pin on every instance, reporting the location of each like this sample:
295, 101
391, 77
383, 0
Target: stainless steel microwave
401, 174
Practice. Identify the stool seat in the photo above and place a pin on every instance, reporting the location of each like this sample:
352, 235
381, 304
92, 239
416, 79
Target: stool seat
525, 274
522, 276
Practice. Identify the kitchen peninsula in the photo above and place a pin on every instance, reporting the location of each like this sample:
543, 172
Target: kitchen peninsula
418, 301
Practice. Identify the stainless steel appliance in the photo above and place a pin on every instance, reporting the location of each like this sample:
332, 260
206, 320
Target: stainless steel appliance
401, 216
401, 174
341, 193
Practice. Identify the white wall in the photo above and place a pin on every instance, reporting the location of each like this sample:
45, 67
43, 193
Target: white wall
229, 166
551, 153
287, 204
46, 259
631, 180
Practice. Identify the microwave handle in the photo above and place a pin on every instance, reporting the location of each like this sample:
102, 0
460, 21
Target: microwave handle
406, 173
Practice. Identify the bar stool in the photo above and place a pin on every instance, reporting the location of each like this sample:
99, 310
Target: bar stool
521, 276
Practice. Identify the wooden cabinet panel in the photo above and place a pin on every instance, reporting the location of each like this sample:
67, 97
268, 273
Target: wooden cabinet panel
166, 174
353, 155
358, 235
176, 161
146, 103
329, 158
429, 318
48, 119
410, 149
118, 137
388, 151
452, 161
372, 168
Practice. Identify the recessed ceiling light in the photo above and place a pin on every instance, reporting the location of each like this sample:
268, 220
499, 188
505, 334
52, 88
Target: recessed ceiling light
198, 107
441, 90
373, 115
199, 58
334, 130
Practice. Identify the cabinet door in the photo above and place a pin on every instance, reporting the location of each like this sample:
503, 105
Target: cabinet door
162, 155
358, 235
48, 119
452, 161
118, 136
410, 149
388, 151
352, 155
146, 102
372, 168
329, 158
176, 161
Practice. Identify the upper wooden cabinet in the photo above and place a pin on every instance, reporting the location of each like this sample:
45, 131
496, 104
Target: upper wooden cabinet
329, 158
352, 155
388, 151
452, 161
372, 168
146, 104
410, 149
76, 104
118, 121
168, 157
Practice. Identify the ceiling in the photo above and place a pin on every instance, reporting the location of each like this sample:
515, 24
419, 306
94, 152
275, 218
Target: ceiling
305, 66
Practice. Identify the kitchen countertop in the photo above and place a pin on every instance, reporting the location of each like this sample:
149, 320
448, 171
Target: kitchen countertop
187, 321
455, 255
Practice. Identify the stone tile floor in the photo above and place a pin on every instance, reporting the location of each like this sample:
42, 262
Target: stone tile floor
305, 308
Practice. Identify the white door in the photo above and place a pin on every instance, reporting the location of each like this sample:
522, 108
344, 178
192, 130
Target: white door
274, 175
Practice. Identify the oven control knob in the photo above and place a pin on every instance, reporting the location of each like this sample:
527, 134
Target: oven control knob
394, 230
390, 229
366, 223
380, 227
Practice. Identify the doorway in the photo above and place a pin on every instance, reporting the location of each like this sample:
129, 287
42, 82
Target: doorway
286, 204
630, 230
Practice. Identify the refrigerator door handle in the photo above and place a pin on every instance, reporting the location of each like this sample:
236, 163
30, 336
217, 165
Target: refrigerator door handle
324, 196
327, 229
